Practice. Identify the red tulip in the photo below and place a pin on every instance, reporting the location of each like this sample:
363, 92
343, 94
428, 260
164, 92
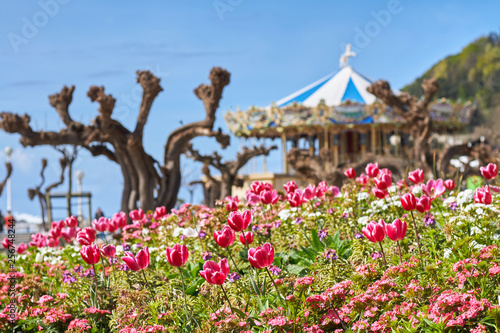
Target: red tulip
55, 233
257, 187
69, 234
215, 273
296, 199
423, 204
239, 221
160, 212
232, 204
408, 202
269, 197
309, 192
108, 251
112, 225
21, 248
90, 254
58, 225
372, 170
71, 222
86, 236
490, 171
248, 237
416, 176
225, 237
290, 187
177, 255
483, 195
262, 256
120, 219
252, 198
379, 193
7, 242
137, 215
384, 181
375, 232
138, 262
52, 242
350, 173
101, 225
396, 231
449, 184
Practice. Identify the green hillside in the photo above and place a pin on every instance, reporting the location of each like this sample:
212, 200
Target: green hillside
473, 74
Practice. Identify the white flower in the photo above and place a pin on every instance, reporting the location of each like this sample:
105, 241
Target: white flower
39, 257
190, 232
475, 231
145, 231
363, 220
362, 196
465, 197
284, 214
449, 200
178, 231
447, 253
480, 211
416, 190
119, 248
392, 189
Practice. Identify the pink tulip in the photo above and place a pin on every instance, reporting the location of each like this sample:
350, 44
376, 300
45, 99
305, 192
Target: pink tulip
138, 262
112, 225
449, 184
239, 221
101, 225
309, 192
350, 173
363, 179
160, 212
483, 195
334, 191
248, 237
423, 204
257, 187
383, 181
6, 243
375, 232
252, 198
232, 204
52, 242
396, 231
379, 193
69, 234
137, 215
120, 219
21, 248
38, 240
58, 225
290, 187
108, 251
372, 170
262, 256
416, 176
225, 237
90, 254
55, 233
433, 188
86, 236
409, 202
296, 199
177, 255
269, 197
490, 171
71, 222
215, 273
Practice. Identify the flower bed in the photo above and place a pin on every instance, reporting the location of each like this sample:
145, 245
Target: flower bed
373, 256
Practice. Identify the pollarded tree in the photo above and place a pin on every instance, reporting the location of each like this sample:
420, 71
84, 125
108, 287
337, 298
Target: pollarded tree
8, 166
147, 182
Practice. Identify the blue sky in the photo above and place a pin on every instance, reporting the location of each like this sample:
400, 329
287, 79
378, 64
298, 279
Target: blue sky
271, 48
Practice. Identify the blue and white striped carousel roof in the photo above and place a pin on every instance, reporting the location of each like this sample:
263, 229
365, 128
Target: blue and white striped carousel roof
335, 89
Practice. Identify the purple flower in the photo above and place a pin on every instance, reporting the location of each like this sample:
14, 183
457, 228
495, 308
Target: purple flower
139, 246
298, 220
322, 234
358, 235
453, 206
78, 268
376, 255
112, 260
207, 255
181, 237
234, 277
126, 247
429, 220
277, 224
274, 270
331, 254
202, 234
124, 268
345, 215
68, 278
329, 211
255, 228
89, 272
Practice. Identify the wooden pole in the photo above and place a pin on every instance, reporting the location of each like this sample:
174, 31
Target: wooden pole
285, 162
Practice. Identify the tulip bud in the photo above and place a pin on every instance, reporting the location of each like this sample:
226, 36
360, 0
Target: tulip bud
71, 222
290, 187
177, 255
483, 195
449, 184
239, 221
375, 232
224, 238
108, 251
396, 231
408, 202
416, 176
372, 170
215, 273
262, 256
490, 171
248, 237
423, 204
90, 254
350, 173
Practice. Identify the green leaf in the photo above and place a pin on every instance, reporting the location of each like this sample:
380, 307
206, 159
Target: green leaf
296, 270
317, 245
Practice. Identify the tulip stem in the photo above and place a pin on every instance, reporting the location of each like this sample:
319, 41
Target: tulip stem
146, 280
95, 282
383, 254
245, 238
184, 293
232, 259
399, 250
275, 286
340, 319
416, 235
227, 298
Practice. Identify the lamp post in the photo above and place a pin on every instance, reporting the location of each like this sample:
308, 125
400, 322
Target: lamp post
79, 176
8, 152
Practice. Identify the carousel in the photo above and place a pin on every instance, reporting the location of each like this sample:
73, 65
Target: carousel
338, 115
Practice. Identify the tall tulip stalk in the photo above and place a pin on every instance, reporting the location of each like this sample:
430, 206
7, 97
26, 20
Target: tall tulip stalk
177, 256
216, 273
375, 232
410, 203
396, 232
138, 262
